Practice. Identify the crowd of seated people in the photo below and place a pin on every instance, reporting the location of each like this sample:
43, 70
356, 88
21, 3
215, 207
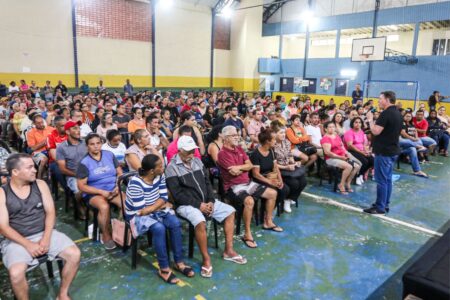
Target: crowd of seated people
262, 149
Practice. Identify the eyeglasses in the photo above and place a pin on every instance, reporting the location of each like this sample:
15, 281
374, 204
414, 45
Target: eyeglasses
233, 135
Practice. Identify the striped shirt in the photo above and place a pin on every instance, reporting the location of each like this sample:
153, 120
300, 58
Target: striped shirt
141, 194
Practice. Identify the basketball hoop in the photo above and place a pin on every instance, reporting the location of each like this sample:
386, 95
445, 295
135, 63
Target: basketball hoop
364, 58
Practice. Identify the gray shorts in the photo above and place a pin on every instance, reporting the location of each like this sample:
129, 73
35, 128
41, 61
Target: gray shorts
195, 216
14, 253
72, 184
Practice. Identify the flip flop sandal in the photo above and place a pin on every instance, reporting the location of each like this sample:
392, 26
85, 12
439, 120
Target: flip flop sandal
238, 259
273, 228
186, 271
249, 240
343, 192
169, 279
206, 272
420, 175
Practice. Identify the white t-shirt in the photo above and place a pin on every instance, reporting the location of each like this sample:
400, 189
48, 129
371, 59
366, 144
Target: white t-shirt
314, 132
119, 151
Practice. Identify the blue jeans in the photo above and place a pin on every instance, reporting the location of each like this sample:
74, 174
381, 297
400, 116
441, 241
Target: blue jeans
405, 143
427, 141
54, 171
383, 176
158, 229
412, 153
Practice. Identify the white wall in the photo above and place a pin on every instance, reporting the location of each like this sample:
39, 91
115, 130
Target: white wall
113, 57
183, 35
36, 35
270, 46
293, 46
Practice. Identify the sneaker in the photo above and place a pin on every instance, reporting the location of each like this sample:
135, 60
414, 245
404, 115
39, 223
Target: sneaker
287, 206
292, 202
359, 180
110, 245
373, 211
133, 228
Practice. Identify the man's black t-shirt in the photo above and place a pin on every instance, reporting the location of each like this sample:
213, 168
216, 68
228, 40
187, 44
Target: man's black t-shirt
432, 101
386, 143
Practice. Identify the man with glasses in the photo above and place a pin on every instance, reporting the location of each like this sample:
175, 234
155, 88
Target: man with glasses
234, 166
187, 180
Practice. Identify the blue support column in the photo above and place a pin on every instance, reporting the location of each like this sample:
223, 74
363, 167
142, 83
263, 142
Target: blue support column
338, 38
74, 38
416, 39
213, 29
153, 6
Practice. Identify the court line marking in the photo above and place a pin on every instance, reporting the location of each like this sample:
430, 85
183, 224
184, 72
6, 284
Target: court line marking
326, 200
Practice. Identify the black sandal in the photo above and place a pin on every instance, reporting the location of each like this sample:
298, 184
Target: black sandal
246, 242
169, 279
185, 271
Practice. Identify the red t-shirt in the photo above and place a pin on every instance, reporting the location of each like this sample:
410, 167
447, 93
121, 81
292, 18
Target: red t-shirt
337, 147
53, 140
422, 125
228, 158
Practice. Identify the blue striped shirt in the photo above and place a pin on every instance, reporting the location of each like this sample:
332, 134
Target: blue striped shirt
141, 194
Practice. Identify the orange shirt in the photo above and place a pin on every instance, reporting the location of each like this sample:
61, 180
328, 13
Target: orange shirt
133, 126
36, 136
297, 135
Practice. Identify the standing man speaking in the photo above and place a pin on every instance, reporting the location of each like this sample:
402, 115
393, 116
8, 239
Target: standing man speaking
386, 132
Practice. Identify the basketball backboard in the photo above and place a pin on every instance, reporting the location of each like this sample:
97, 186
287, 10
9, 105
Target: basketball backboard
368, 49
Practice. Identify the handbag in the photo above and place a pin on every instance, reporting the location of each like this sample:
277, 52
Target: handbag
307, 148
118, 232
298, 172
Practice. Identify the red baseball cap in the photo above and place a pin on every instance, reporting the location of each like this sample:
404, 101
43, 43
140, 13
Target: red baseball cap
71, 124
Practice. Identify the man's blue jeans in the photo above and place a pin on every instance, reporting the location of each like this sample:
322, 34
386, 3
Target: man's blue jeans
412, 153
427, 141
383, 176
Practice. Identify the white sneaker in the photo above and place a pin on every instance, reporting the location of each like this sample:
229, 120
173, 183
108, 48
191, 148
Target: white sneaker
292, 202
359, 181
287, 206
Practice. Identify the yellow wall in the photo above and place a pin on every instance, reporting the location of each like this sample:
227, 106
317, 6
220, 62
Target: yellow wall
340, 99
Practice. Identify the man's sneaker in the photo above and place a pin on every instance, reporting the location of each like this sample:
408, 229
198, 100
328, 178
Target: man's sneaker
292, 202
133, 228
287, 206
373, 211
110, 245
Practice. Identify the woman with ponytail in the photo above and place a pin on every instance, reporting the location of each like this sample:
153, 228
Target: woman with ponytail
147, 209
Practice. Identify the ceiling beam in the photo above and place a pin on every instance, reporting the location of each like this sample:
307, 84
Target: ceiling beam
272, 8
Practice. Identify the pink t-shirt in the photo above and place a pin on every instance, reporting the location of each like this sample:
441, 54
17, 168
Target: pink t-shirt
172, 150
337, 147
358, 139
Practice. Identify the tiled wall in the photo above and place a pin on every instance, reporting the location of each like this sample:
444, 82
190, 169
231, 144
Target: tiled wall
114, 19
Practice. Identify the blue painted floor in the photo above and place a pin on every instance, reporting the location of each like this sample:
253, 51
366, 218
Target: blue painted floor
324, 253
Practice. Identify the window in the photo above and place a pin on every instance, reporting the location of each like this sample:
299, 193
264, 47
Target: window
441, 47
434, 38
347, 37
399, 37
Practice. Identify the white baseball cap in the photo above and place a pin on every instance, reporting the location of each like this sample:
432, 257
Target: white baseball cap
186, 143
